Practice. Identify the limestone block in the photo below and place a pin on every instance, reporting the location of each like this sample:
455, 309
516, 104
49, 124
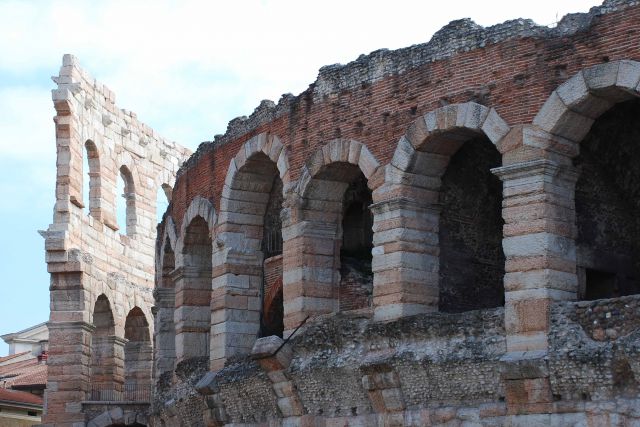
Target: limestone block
403, 157
474, 116
354, 152
494, 127
539, 244
417, 132
545, 278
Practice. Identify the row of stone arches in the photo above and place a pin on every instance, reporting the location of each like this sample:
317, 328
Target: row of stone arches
121, 359
103, 188
433, 230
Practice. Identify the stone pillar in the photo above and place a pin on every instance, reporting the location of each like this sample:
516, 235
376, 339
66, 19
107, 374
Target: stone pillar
165, 331
405, 258
107, 367
310, 270
235, 304
192, 316
68, 371
137, 369
539, 247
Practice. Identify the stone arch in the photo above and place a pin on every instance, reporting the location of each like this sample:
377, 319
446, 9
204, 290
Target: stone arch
106, 367
592, 117
407, 256
571, 109
164, 295
138, 356
167, 242
337, 177
164, 183
126, 170
119, 416
192, 277
247, 258
166, 180
432, 139
339, 151
199, 206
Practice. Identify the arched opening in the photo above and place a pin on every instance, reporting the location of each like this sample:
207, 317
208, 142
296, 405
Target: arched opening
106, 354
356, 276
91, 180
271, 319
138, 357
165, 338
126, 211
163, 198
337, 201
443, 248
470, 231
607, 203
193, 293
248, 281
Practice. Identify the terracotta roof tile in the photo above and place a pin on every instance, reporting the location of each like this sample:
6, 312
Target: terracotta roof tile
19, 397
13, 356
25, 372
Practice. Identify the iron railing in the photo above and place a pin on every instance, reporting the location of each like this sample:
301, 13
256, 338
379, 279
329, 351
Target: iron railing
272, 242
120, 392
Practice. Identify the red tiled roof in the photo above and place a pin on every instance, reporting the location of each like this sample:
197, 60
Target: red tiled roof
23, 373
19, 397
13, 356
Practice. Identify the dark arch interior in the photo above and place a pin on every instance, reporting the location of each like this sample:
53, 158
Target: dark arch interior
168, 265
471, 256
356, 276
138, 357
106, 375
608, 205
196, 288
103, 317
339, 197
272, 318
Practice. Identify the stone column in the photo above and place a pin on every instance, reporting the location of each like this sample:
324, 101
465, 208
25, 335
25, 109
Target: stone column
107, 367
165, 330
539, 247
235, 303
405, 258
68, 371
69, 361
310, 269
192, 315
137, 375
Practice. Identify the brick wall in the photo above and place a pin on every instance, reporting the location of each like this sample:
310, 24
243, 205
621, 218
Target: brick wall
512, 69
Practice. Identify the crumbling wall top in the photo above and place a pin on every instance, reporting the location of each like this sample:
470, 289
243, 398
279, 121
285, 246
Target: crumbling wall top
461, 35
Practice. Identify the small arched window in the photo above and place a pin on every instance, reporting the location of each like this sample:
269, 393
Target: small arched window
126, 212
91, 191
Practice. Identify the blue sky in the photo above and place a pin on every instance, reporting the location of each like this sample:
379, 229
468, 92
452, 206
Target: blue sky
186, 68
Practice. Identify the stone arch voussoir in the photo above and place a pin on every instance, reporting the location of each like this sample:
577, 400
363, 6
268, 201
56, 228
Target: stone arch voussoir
340, 151
199, 207
265, 143
572, 108
442, 131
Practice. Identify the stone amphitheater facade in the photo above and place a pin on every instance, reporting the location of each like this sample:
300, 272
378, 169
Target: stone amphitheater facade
445, 234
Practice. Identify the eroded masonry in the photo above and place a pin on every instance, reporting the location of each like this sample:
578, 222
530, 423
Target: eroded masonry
445, 234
